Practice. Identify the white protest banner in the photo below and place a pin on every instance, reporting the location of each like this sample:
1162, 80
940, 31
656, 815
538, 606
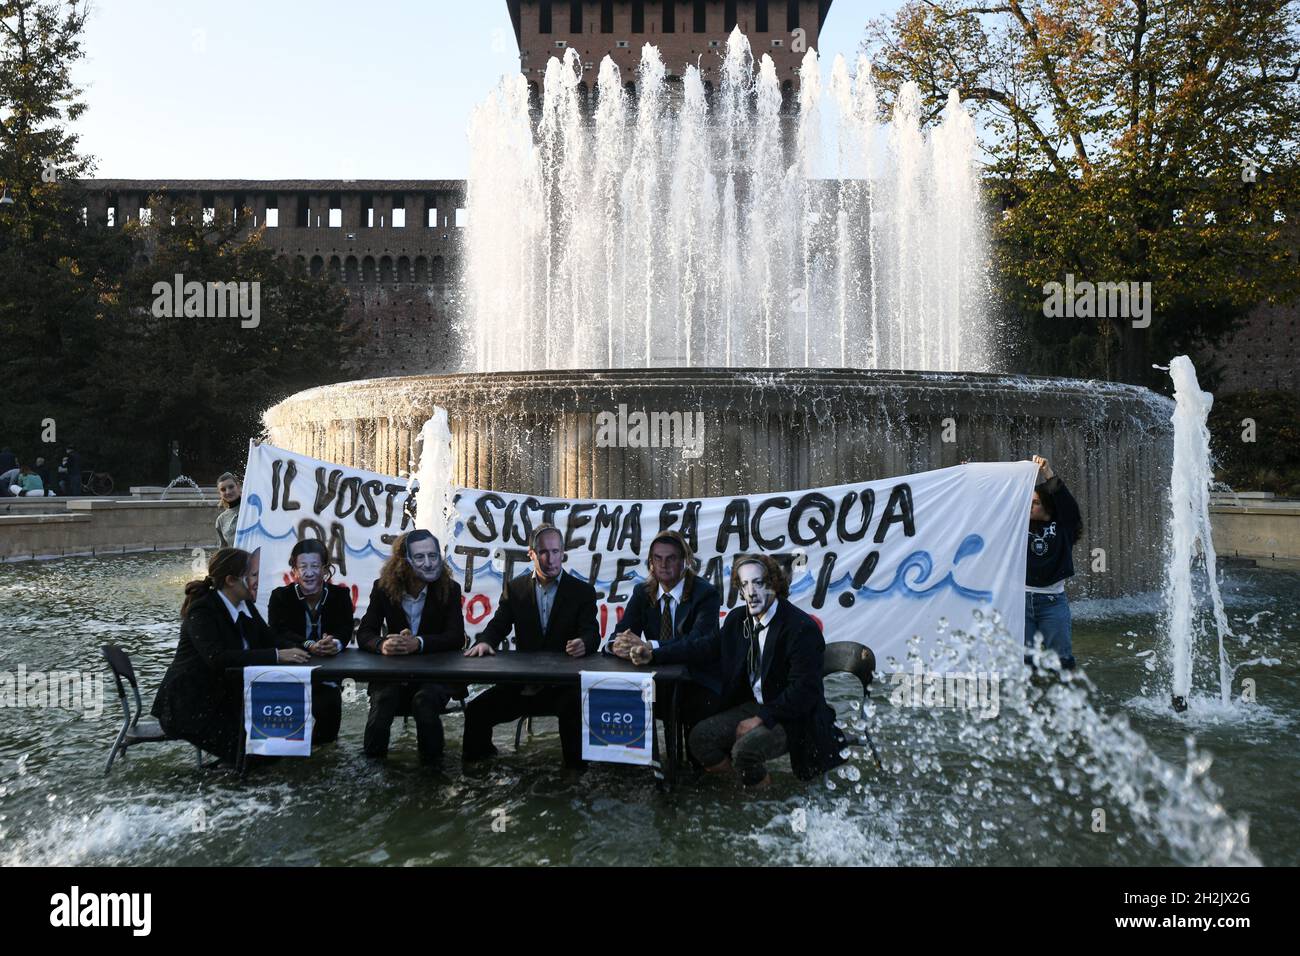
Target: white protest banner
277, 710
875, 561
357, 513
618, 717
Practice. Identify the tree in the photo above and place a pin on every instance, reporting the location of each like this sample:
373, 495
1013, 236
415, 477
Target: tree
79, 342
204, 381
56, 274
1126, 142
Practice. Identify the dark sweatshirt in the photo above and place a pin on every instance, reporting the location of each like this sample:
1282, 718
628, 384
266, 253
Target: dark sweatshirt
1051, 542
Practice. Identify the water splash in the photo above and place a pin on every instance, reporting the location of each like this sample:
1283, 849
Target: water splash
1191, 536
674, 225
1026, 781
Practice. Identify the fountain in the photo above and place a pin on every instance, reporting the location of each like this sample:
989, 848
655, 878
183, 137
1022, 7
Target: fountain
1192, 541
811, 281
181, 480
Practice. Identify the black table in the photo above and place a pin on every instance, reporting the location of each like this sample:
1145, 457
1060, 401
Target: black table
504, 667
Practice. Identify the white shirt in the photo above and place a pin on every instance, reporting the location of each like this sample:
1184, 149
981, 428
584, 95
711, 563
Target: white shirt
414, 608
676, 595
764, 620
1057, 588
235, 612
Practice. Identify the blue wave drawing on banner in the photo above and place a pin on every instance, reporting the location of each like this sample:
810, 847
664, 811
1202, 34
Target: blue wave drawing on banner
919, 561
258, 533
922, 562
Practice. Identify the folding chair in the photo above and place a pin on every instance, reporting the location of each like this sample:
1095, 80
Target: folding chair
134, 730
850, 657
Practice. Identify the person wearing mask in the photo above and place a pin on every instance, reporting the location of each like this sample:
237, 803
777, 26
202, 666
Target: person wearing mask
317, 616
549, 612
414, 609
221, 628
229, 490
674, 604
770, 657
1055, 525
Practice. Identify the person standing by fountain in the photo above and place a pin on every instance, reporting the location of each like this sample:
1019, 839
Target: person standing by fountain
770, 653
414, 609
1054, 527
318, 616
549, 611
220, 629
674, 604
231, 490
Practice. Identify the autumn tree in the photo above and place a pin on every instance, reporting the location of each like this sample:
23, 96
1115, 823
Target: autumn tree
1125, 141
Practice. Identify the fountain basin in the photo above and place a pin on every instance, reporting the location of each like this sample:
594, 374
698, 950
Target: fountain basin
769, 430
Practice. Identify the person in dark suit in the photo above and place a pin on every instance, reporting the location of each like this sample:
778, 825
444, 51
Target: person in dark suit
317, 616
198, 699
674, 604
414, 609
549, 612
771, 659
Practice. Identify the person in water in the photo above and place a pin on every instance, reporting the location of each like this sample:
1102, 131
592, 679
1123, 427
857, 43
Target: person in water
220, 629
1054, 527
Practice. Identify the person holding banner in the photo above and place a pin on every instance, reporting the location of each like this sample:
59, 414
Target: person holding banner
548, 611
1055, 525
317, 616
770, 654
674, 604
231, 490
220, 629
414, 609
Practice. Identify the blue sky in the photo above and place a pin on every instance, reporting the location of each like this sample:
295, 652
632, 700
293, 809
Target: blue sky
326, 89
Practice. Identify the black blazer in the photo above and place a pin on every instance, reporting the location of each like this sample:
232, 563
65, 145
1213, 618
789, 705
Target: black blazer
442, 626
791, 679
696, 617
287, 613
197, 696
573, 615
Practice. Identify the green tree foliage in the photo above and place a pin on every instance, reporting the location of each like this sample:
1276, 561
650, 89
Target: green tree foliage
1121, 138
79, 342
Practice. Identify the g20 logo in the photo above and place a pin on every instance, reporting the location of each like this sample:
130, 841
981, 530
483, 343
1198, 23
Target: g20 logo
609, 717
278, 710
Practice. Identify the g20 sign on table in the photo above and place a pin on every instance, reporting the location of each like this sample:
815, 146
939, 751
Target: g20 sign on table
277, 710
617, 711
875, 562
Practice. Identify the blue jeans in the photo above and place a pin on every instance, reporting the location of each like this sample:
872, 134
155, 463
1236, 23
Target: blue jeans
1050, 614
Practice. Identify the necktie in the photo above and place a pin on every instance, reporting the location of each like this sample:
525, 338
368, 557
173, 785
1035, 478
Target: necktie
754, 659
245, 629
666, 620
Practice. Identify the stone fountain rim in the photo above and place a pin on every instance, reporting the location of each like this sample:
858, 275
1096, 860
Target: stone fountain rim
730, 377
